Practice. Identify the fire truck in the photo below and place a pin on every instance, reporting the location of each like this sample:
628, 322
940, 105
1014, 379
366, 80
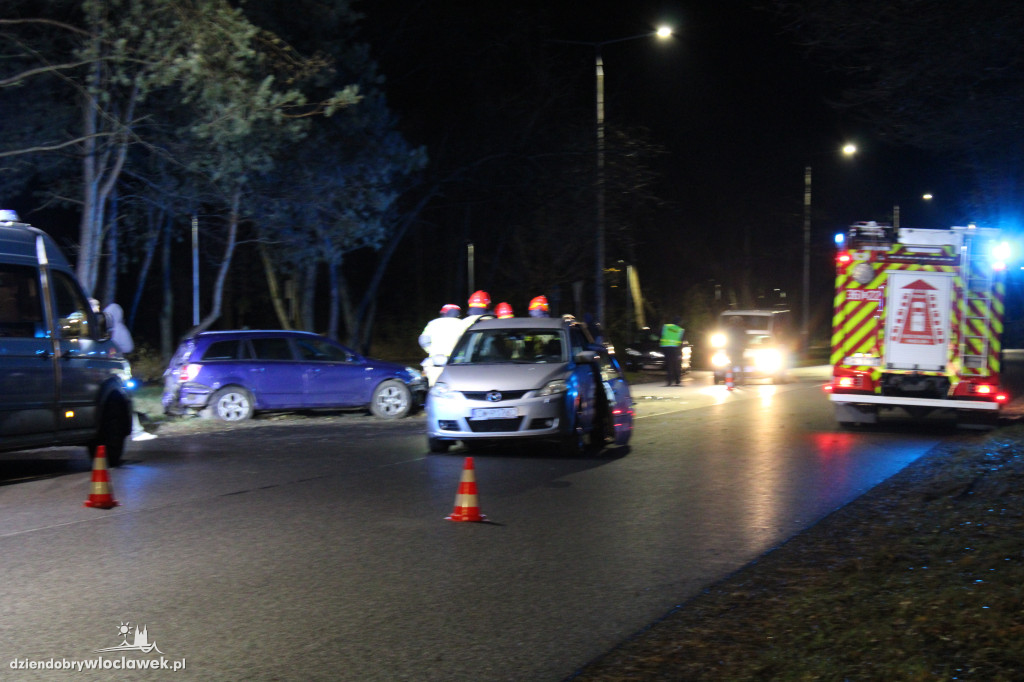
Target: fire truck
917, 323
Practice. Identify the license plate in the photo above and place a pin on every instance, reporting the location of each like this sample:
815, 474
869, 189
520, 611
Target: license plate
494, 413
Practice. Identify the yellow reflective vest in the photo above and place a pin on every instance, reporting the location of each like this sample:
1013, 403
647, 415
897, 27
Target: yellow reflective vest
671, 335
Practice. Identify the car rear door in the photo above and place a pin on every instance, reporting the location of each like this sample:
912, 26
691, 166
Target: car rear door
28, 383
277, 376
333, 376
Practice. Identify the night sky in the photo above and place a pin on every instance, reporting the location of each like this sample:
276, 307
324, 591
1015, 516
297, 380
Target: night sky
739, 106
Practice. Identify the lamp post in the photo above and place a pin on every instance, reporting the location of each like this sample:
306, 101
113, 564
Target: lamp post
848, 149
663, 33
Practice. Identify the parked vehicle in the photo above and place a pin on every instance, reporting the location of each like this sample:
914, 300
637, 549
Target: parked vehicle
62, 379
525, 379
231, 375
645, 353
918, 322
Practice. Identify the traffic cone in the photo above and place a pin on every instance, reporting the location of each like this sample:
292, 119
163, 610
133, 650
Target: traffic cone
467, 508
728, 379
101, 497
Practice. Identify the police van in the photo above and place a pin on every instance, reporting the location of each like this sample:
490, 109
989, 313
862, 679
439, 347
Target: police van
63, 381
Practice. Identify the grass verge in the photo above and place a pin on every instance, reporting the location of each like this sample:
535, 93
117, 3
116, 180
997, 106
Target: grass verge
922, 578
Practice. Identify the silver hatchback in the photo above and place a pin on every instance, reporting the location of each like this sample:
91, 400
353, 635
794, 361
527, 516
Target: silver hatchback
529, 378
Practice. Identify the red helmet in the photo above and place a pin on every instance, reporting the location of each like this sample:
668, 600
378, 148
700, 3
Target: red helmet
450, 310
479, 299
539, 303
503, 310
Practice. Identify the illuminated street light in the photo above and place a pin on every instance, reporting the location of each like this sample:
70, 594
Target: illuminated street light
848, 149
662, 32
927, 196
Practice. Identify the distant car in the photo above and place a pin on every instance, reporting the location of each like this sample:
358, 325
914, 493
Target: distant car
524, 379
645, 353
768, 352
231, 375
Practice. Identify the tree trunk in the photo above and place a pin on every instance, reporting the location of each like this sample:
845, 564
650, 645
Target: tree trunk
225, 266
275, 288
158, 223
306, 299
109, 289
167, 311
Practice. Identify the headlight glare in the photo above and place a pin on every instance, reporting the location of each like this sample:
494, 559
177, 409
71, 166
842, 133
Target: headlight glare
553, 388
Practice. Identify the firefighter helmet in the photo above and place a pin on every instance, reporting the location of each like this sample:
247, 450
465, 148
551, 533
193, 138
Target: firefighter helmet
479, 299
450, 310
539, 307
503, 310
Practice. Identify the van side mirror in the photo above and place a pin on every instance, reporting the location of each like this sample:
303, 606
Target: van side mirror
74, 325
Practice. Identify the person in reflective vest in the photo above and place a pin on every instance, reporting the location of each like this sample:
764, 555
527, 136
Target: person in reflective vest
672, 348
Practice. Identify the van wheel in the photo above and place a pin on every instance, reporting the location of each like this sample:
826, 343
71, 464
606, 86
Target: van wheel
231, 404
114, 429
391, 400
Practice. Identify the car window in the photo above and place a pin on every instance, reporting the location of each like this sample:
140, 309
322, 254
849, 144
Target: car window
21, 311
224, 350
321, 350
276, 348
578, 340
606, 366
71, 305
510, 345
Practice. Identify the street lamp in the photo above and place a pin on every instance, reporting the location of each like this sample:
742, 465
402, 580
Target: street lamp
662, 32
927, 196
848, 149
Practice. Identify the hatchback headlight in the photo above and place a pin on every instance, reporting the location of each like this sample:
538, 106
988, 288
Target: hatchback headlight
720, 359
553, 388
442, 390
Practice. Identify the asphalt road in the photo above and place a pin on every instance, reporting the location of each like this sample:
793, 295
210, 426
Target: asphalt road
317, 548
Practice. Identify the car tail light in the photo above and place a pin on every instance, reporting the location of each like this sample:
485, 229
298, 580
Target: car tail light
189, 372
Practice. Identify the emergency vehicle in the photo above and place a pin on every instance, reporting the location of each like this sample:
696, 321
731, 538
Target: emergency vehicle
917, 322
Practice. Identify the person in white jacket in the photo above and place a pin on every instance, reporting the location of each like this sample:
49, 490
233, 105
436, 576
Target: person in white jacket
439, 338
122, 338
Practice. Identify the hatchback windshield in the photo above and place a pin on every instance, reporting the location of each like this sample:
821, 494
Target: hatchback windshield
509, 345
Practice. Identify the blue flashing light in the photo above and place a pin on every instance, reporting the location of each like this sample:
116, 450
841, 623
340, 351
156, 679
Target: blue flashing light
840, 239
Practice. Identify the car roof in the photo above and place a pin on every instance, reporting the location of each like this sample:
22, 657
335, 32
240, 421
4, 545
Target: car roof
521, 323
766, 313
18, 245
250, 333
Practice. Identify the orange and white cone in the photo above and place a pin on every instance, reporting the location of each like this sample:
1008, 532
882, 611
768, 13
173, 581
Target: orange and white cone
101, 497
728, 379
467, 508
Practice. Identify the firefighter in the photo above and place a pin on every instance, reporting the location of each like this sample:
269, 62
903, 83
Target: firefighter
439, 338
539, 307
479, 303
671, 344
503, 311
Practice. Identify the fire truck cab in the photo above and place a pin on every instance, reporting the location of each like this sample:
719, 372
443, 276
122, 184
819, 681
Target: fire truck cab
918, 318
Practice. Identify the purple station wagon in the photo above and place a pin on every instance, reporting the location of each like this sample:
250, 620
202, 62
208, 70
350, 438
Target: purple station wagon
233, 374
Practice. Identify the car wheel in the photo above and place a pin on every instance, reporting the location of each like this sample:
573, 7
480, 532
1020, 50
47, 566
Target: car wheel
437, 445
232, 404
391, 400
114, 429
